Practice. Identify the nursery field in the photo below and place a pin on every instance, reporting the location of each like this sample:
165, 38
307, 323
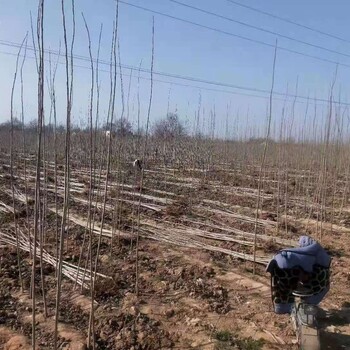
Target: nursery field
167, 254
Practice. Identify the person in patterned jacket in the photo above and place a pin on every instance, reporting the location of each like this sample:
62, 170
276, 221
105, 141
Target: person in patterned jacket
307, 266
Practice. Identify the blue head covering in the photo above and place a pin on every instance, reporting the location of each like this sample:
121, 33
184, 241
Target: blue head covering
308, 254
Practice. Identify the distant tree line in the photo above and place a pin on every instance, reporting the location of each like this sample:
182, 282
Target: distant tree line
169, 127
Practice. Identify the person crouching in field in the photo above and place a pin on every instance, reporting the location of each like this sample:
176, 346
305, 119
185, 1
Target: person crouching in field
307, 266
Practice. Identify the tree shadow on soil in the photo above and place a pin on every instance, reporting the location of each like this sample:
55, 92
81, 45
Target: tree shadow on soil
335, 340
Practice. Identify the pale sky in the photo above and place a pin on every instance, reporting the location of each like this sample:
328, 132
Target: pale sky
192, 51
